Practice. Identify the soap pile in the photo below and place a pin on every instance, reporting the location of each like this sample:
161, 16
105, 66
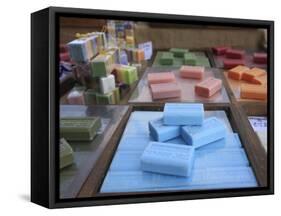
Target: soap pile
187, 121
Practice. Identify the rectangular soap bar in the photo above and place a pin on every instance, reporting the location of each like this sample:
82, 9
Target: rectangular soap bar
211, 130
161, 132
116, 95
208, 87
249, 75
126, 74
220, 50
101, 66
76, 98
166, 58
193, 72
230, 63
260, 58
66, 154
236, 72
252, 91
162, 77
202, 61
235, 54
90, 97
260, 80
165, 158
105, 99
107, 84
183, 114
79, 128
189, 59
165, 90
178, 52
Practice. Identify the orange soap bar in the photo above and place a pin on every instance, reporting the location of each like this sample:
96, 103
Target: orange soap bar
208, 87
165, 90
236, 72
249, 75
193, 72
162, 77
260, 80
251, 91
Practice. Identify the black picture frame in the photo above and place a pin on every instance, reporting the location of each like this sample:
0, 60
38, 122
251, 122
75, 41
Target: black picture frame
45, 107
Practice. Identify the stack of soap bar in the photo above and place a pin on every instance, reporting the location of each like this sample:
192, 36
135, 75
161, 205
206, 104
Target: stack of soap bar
165, 90
163, 77
220, 50
166, 58
251, 91
208, 87
230, 63
178, 52
80, 50
193, 72
260, 58
107, 84
79, 128
66, 154
183, 114
211, 130
101, 66
104, 99
249, 75
76, 98
126, 74
189, 59
165, 158
235, 54
236, 72
260, 80
161, 132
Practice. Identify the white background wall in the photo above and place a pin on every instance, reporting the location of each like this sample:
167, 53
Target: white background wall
15, 107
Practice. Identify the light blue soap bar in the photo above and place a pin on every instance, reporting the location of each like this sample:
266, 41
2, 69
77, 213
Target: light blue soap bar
211, 130
208, 178
168, 158
183, 114
161, 132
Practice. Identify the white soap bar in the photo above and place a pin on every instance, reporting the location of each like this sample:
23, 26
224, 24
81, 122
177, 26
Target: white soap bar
107, 84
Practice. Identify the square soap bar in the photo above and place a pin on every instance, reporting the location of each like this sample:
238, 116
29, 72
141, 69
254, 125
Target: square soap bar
249, 75
178, 52
101, 66
165, 158
231, 63
183, 114
220, 50
208, 87
66, 154
166, 58
189, 59
81, 50
79, 128
126, 74
236, 72
165, 90
161, 132
260, 58
107, 84
235, 54
211, 130
162, 77
252, 91
193, 72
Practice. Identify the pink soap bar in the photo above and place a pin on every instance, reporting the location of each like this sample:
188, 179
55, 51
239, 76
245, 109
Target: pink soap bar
260, 58
208, 87
162, 77
231, 63
75, 98
65, 57
165, 90
63, 48
194, 72
221, 50
235, 54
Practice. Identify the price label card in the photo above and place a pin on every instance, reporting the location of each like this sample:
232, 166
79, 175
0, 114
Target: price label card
148, 50
259, 123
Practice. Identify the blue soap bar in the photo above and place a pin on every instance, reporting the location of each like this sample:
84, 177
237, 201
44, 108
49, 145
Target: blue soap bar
211, 130
168, 158
208, 178
161, 132
183, 114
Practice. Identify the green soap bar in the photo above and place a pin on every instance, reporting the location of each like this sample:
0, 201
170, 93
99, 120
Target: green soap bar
128, 74
178, 52
101, 66
189, 59
202, 61
66, 154
79, 128
90, 96
167, 58
104, 99
116, 95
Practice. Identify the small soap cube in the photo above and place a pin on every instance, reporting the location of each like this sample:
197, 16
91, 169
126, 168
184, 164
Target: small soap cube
178, 52
104, 99
235, 54
193, 72
163, 77
231, 63
165, 90
107, 84
101, 66
165, 158
208, 87
79, 128
252, 91
211, 130
189, 59
80, 50
260, 58
249, 75
66, 154
183, 114
76, 98
126, 74
220, 50
236, 72
161, 132
166, 58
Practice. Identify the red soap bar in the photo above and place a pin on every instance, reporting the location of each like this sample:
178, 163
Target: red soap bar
193, 72
63, 48
260, 58
165, 90
162, 77
221, 50
65, 57
231, 63
208, 87
235, 54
